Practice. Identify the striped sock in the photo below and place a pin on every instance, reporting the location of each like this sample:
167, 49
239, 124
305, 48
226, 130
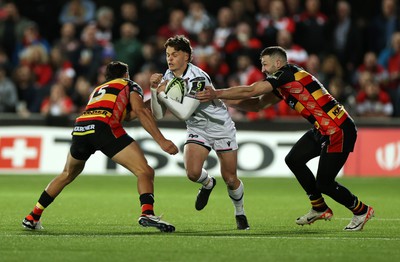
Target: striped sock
359, 208
319, 204
146, 202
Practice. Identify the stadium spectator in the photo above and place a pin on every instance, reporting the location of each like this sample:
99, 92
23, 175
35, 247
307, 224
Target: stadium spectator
31, 36
128, 48
370, 64
393, 87
173, 27
330, 68
82, 91
224, 27
197, 19
242, 40
270, 19
142, 78
66, 78
151, 54
29, 94
343, 93
152, 15
243, 11
311, 28
204, 47
373, 102
294, 8
38, 60
382, 26
313, 66
78, 12
12, 25
8, 92
332, 138
68, 42
87, 59
57, 103
296, 54
128, 13
217, 68
104, 24
113, 141
58, 61
345, 39
385, 54
209, 126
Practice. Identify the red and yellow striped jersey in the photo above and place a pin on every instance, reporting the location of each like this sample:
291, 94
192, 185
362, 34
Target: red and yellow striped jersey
305, 94
109, 102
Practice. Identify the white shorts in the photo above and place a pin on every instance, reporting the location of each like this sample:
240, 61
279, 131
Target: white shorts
219, 141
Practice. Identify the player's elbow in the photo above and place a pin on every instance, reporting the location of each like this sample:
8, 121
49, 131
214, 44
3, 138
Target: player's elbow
183, 117
158, 116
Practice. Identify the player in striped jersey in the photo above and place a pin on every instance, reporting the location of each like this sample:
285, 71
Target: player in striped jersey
332, 138
209, 126
99, 127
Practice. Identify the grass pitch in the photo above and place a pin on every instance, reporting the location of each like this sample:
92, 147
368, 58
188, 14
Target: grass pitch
95, 219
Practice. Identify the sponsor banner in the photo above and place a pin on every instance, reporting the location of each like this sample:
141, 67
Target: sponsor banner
377, 153
43, 150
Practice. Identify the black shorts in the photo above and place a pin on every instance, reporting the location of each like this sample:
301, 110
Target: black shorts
341, 141
91, 136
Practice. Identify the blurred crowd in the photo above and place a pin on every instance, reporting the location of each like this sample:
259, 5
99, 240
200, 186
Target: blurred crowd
356, 58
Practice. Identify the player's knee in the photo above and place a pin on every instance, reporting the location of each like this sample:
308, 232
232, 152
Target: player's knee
290, 160
193, 175
231, 181
145, 171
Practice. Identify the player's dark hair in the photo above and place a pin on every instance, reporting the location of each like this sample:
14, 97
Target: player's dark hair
180, 43
115, 69
274, 51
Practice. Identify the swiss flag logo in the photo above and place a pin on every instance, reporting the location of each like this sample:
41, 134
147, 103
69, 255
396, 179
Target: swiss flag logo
20, 152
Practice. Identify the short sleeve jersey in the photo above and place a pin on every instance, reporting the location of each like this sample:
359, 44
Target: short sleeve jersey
305, 94
109, 102
212, 113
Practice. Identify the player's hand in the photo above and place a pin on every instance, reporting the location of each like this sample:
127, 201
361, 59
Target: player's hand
155, 80
169, 147
161, 87
206, 95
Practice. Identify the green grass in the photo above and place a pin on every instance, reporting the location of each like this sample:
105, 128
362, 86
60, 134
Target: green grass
95, 219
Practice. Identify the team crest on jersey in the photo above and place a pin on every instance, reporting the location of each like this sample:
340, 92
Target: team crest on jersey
276, 75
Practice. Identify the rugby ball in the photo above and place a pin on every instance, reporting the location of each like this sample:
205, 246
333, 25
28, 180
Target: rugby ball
176, 89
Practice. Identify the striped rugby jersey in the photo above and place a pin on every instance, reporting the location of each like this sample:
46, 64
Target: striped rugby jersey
109, 102
305, 94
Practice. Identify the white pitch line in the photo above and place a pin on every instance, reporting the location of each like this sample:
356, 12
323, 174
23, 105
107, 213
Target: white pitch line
374, 218
193, 235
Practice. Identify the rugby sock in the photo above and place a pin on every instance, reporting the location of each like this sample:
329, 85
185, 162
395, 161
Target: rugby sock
319, 204
359, 208
146, 202
44, 201
236, 196
205, 179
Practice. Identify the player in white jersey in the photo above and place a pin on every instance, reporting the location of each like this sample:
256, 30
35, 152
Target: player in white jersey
209, 126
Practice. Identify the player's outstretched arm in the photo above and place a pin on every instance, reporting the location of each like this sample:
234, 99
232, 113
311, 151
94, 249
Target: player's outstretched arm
254, 104
235, 92
149, 124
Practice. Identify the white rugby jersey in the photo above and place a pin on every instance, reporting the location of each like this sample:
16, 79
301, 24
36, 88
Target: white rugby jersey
208, 115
